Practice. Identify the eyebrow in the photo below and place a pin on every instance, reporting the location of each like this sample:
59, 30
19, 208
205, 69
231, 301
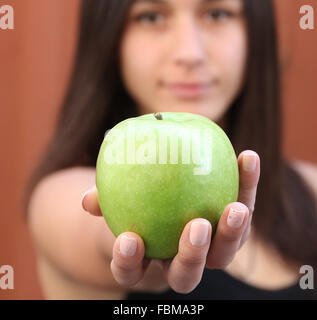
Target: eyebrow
167, 1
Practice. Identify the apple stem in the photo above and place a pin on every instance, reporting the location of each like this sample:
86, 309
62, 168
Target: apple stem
158, 116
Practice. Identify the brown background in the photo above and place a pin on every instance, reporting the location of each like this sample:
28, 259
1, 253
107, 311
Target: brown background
35, 59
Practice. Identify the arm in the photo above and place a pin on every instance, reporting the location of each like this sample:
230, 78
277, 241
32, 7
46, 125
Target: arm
80, 247
67, 239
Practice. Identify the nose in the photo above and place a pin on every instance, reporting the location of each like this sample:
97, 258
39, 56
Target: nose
188, 47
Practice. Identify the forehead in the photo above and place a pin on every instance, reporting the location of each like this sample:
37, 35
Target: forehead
185, 2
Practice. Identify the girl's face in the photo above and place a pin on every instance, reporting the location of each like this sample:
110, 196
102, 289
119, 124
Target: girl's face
184, 55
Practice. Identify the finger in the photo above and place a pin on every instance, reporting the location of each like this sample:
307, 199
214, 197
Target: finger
127, 263
228, 234
90, 202
249, 171
249, 174
185, 270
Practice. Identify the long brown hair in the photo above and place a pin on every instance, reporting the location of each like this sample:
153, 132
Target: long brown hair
285, 213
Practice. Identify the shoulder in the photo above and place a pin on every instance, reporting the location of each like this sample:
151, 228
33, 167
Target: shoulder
308, 171
61, 184
73, 175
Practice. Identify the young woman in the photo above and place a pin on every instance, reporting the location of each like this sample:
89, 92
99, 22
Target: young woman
217, 58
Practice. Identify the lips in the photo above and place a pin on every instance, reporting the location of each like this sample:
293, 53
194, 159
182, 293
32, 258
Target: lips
189, 90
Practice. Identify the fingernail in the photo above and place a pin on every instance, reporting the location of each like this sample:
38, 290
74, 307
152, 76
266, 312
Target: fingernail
249, 162
198, 233
83, 200
128, 246
235, 218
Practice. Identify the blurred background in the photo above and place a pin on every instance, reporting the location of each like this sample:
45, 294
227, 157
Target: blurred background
35, 60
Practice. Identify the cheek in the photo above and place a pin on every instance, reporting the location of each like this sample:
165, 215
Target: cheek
137, 58
139, 63
233, 58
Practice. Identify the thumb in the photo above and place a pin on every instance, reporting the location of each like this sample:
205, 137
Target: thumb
89, 201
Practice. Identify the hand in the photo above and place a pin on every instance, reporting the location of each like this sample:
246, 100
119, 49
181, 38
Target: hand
183, 273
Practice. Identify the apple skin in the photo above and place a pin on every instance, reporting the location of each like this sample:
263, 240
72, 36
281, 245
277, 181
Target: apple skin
157, 200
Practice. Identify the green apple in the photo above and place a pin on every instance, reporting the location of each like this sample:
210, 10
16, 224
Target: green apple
156, 172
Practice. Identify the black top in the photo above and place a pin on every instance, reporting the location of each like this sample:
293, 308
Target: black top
218, 284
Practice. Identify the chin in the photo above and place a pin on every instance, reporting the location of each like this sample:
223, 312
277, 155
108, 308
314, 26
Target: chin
206, 111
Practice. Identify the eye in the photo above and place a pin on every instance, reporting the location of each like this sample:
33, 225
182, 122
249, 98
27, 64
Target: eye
149, 17
219, 14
